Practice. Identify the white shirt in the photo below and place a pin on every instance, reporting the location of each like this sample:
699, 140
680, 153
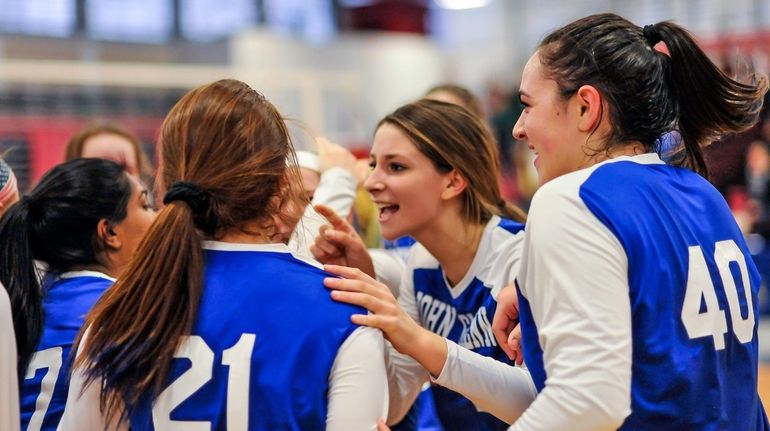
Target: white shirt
9, 388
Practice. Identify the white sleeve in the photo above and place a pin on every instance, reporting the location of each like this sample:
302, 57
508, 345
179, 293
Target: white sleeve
336, 190
82, 410
358, 383
305, 232
405, 375
388, 269
574, 274
9, 389
494, 387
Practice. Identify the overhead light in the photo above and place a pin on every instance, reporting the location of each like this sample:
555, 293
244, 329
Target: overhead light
461, 4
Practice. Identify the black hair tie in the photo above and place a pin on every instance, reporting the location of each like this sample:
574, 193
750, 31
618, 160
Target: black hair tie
189, 193
652, 35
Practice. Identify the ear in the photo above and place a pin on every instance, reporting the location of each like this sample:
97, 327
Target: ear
108, 236
454, 186
590, 108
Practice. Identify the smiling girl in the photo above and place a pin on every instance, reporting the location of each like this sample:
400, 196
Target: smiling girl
434, 177
637, 294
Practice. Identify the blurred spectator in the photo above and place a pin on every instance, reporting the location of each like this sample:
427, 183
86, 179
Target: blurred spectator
112, 142
452, 93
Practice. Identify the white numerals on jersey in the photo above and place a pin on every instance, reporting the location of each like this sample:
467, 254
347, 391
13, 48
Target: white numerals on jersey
712, 322
194, 348
52, 360
238, 358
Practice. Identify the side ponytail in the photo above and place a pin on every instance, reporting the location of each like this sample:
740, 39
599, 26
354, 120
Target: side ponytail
20, 278
710, 103
164, 281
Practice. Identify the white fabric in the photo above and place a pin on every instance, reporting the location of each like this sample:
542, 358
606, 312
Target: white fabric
357, 390
575, 275
308, 160
388, 269
494, 387
97, 274
9, 388
337, 190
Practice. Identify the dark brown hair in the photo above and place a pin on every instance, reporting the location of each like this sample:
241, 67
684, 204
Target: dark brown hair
453, 138
648, 92
76, 143
231, 144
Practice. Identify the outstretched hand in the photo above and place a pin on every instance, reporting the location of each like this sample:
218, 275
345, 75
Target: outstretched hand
340, 244
386, 314
505, 324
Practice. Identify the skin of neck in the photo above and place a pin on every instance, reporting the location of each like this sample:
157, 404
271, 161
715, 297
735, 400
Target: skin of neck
254, 232
453, 241
598, 139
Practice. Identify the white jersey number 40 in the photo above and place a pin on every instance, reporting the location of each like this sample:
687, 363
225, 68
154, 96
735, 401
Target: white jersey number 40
700, 287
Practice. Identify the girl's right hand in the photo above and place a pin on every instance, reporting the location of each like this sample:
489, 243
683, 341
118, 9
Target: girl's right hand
406, 335
340, 244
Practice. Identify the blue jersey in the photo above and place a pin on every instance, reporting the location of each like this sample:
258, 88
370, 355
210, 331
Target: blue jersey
261, 349
66, 301
692, 288
463, 313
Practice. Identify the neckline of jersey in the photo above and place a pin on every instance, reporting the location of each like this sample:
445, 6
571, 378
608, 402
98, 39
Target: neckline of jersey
460, 287
74, 274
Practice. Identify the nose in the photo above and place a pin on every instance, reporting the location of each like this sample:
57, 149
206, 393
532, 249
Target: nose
373, 182
518, 129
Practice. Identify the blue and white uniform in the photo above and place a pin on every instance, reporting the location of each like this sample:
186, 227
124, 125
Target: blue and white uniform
638, 303
66, 301
269, 350
462, 313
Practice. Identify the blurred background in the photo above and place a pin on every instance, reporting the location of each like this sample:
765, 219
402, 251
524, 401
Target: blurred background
335, 67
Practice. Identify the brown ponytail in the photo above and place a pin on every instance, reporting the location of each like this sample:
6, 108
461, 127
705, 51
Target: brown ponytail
231, 144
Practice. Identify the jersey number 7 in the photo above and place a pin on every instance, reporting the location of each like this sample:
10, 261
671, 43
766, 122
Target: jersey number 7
712, 321
52, 360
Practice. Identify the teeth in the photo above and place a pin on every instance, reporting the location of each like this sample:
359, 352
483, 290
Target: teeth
383, 206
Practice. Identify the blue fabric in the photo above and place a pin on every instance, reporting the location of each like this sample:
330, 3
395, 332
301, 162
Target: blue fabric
66, 303
658, 212
465, 320
297, 328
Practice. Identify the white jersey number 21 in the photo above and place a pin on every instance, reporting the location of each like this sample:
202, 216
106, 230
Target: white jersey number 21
194, 348
712, 321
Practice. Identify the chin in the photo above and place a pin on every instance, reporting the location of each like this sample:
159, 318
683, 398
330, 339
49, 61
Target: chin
392, 234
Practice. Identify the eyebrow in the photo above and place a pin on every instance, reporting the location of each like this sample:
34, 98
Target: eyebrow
386, 156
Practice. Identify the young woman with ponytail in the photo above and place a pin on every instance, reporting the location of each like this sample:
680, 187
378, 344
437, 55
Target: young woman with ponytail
435, 177
215, 324
82, 221
637, 295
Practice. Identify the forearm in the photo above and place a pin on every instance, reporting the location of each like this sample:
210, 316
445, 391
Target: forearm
495, 387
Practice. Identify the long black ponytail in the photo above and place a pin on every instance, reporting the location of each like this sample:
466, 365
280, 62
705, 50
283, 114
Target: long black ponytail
55, 226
